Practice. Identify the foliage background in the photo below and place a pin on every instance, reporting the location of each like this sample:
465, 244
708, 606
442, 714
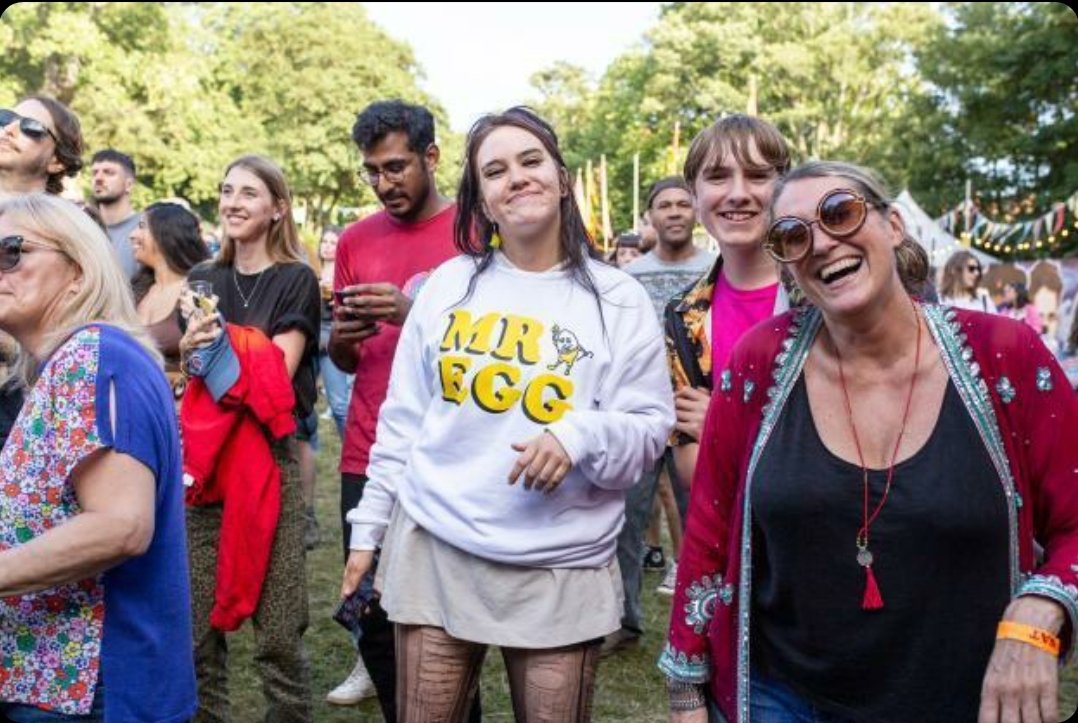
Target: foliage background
930, 94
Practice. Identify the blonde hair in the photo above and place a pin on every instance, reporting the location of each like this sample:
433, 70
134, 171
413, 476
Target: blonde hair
103, 295
282, 239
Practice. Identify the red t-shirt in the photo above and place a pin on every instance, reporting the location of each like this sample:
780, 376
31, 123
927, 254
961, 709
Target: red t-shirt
380, 249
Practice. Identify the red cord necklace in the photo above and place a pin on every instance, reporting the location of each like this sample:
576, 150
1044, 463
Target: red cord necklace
872, 599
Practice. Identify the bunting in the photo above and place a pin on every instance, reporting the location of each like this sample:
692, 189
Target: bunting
968, 223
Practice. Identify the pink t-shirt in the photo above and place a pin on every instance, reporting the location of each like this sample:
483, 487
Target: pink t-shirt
733, 312
374, 250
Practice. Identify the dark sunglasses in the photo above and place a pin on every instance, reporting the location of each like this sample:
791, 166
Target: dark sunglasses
32, 128
11, 250
974, 268
840, 213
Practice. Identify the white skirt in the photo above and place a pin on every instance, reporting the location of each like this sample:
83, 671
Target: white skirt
425, 581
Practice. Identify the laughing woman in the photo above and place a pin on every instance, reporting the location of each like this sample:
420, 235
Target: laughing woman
528, 392
873, 475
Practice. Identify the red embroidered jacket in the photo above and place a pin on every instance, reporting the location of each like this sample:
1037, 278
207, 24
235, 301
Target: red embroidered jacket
1017, 397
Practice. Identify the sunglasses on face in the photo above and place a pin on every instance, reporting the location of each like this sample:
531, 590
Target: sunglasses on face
32, 128
11, 250
974, 269
840, 213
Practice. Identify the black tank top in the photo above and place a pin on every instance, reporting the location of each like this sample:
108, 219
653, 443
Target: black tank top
941, 560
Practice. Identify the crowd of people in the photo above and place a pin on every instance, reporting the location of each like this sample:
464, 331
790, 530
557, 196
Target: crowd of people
851, 471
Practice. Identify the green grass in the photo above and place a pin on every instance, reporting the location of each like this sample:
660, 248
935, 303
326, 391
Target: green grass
629, 687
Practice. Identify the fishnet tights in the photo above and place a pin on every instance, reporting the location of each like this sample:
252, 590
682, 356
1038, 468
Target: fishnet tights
438, 675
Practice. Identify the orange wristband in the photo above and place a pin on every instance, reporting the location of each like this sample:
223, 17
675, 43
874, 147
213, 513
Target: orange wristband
1037, 637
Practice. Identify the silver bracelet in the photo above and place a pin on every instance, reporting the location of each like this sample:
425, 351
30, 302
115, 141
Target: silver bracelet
685, 696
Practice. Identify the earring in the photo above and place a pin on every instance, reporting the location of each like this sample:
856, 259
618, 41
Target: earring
495, 238
276, 217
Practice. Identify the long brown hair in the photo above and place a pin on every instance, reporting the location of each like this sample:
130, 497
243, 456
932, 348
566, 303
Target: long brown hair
473, 230
68, 141
951, 284
282, 241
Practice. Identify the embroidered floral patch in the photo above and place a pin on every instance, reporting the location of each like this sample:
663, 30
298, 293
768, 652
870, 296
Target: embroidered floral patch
1005, 390
750, 387
702, 596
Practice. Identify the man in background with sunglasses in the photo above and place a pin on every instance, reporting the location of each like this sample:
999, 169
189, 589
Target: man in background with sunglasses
113, 176
40, 143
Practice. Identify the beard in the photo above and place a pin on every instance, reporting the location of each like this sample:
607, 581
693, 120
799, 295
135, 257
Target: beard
105, 199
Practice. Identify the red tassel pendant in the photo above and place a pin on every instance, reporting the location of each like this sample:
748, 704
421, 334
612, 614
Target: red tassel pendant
872, 599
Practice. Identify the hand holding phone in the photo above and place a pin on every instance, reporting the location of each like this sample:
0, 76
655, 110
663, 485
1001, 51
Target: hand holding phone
349, 613
377, 302
354, 606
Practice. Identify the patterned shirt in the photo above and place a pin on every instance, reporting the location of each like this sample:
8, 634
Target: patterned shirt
99, 390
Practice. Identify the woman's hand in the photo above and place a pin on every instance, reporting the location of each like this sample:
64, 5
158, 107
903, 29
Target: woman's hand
359, 564
689, 716
202, 329
543, 461
1021, 684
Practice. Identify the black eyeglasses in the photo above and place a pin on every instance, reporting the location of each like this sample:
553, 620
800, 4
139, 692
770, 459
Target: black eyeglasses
841, 213
11, 250
32, 128
392, 172
974, 268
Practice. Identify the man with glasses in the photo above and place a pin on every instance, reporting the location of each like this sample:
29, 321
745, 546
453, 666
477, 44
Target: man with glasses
113, 176
40, 143
381, 262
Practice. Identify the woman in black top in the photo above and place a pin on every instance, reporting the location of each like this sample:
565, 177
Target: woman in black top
260, 279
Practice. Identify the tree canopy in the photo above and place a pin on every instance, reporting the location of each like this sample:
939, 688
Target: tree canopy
929, 95
186, 87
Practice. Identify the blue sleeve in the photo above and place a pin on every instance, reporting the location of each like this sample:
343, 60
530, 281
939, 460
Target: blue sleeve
134, 408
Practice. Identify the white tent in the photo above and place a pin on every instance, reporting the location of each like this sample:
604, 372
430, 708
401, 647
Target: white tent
938, 243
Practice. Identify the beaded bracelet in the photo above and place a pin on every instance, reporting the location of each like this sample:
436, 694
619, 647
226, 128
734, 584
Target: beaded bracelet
685, 696
1037, 637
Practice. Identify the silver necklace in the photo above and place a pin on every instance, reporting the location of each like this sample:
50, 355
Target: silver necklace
247, 299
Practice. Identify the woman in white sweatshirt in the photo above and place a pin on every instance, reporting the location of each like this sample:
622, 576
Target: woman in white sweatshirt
528, 391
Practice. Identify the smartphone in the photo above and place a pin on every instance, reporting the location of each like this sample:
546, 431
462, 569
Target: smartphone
351, 611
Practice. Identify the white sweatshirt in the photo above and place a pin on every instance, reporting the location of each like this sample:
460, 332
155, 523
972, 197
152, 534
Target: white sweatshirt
526, 352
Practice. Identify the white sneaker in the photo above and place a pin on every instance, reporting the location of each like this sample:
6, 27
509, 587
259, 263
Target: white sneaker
666, 587
355, 687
